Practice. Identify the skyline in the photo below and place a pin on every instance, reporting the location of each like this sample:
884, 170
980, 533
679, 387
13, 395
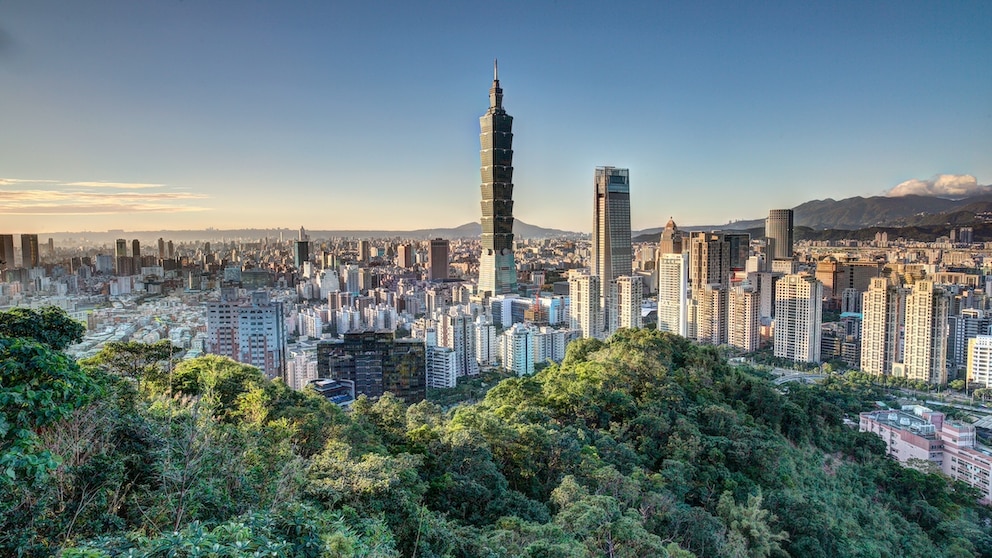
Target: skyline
182, 115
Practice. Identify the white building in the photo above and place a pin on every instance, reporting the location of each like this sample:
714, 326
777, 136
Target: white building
629, 295
883, 308
925, 352
517, 348
486, 347
251, 331
980, 360
673, 288
442, 367
798, 317
743, 324
585, 311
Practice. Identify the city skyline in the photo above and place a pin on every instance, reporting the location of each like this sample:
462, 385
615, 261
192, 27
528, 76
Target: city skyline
181, 115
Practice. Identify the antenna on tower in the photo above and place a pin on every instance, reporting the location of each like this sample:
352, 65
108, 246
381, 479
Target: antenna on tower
495, 69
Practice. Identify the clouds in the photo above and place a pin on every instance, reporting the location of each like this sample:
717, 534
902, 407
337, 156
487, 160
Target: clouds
941, 186
20, 196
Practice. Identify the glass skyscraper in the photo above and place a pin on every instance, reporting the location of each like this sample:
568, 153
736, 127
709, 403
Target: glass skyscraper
497, 269
611, 244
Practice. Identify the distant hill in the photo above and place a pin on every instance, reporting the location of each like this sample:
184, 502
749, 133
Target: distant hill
862, 213
468, 230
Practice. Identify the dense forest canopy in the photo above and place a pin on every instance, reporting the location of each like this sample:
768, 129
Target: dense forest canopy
645, 445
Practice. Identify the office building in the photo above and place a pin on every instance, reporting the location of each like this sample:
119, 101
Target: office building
925, 350
497, 268
7, 251
962, 328
136, 249
779, 233
611, 244
798, 318
301, 249
161, 248
30, 257
377, 363
671, 239
404, 256
249, 330
709, 277
585, 312
883, 315
437, 259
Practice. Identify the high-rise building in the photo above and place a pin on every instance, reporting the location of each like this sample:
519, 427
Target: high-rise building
457, 331
671, 239
486, 347
925, 350
497, 268
743, 325
437, 259
611, 245
29, 251
7, 251
673, 292
120, 247
980, 360
779, 232
135, 248
709, 278
161, 248
628, 298
249, 330
404, 256
442, 367
963, 327
301, 249
377, 362
585, 312
798, 318
518, 349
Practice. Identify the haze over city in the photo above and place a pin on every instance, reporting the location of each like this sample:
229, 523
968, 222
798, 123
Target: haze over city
177, 115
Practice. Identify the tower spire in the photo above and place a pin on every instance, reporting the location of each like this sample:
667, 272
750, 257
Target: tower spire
495, 69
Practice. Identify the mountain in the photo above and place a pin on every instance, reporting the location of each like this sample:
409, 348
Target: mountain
863, 213
468, 230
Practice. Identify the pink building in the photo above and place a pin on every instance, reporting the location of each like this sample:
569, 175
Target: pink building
920, 433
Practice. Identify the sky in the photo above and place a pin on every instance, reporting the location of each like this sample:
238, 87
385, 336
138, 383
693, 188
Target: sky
188, 114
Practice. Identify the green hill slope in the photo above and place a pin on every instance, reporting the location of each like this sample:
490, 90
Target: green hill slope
644, 446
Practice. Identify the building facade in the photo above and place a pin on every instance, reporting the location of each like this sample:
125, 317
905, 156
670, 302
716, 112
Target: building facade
798, 317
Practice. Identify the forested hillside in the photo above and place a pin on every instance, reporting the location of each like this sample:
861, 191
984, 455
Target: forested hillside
646, 445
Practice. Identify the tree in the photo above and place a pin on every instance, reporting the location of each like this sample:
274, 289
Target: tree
50, 326
136, 360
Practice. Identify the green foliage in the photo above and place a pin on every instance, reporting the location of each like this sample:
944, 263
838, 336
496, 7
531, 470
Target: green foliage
138, 361
646, 445
50, 326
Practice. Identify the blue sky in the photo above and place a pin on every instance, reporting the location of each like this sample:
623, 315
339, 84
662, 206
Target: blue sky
201, 113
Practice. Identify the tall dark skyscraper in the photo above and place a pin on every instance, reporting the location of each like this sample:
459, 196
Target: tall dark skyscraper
7, 251
497, 268
611, 244
437, 259
778, 230
29, 251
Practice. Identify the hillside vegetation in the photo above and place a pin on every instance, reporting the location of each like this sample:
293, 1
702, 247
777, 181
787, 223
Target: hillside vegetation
647, 445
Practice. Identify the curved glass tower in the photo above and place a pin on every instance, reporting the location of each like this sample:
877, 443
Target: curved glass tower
497, 269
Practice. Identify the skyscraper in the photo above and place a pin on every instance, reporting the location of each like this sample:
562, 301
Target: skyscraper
585, 311
778, 230
884, 307
925, 352
628, 297
251, 331
136, 248
29, 250
709, 278
6, 251
671, 239
673, 292
798, 318
437, 259
497, 268
611, 245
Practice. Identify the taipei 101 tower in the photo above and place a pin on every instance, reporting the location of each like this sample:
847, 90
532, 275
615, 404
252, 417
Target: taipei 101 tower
497, 270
